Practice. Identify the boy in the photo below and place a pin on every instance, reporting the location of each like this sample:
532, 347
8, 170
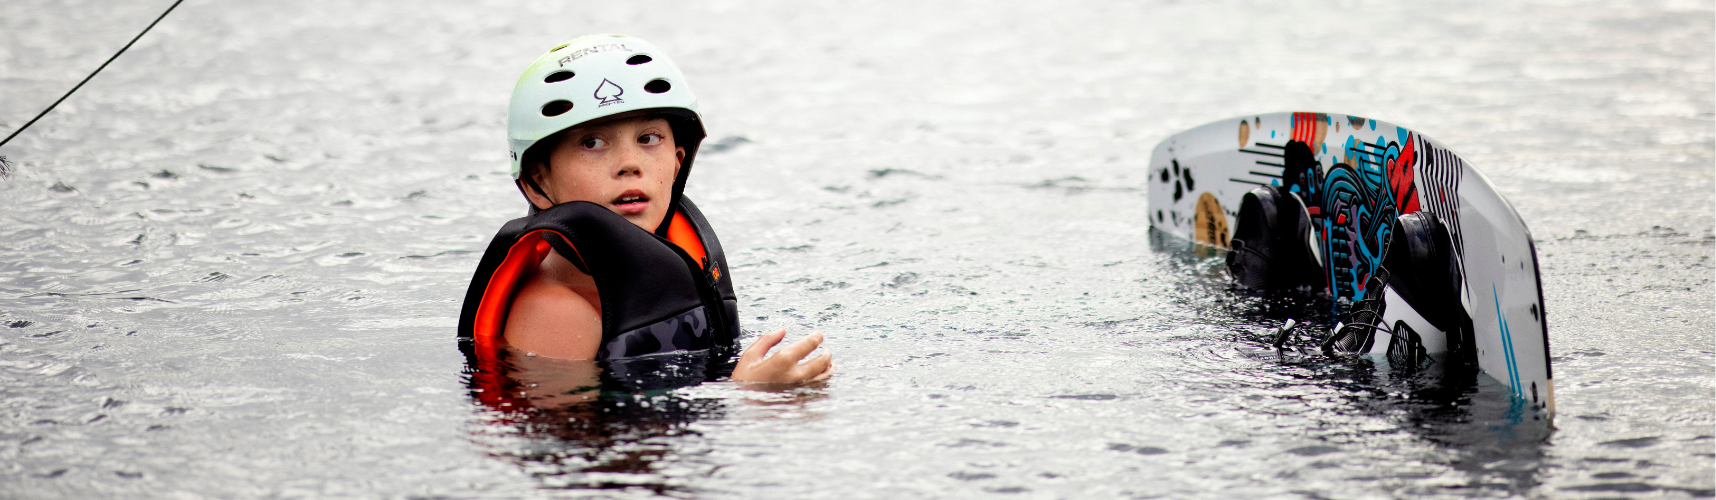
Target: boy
613, 262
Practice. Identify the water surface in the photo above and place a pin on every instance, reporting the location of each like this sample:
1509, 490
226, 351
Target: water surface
231, 265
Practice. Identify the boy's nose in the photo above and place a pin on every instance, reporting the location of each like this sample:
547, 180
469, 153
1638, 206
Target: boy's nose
631, 160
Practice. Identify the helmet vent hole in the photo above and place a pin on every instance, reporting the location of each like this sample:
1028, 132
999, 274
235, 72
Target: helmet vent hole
557, 49
657, 86
558, 76
556, 108
638, 59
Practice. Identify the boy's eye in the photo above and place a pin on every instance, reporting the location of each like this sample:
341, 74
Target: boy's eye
593, 143
649, 139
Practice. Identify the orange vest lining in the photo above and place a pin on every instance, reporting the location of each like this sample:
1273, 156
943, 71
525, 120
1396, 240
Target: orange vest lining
525, 256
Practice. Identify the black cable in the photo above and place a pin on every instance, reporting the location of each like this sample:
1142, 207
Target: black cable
6, 166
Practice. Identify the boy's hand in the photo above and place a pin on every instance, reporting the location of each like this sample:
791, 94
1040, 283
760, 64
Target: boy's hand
756, 366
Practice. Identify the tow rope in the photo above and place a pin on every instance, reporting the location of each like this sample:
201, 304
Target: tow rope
6, 166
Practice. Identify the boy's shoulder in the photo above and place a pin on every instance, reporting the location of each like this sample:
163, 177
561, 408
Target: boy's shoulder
556, 312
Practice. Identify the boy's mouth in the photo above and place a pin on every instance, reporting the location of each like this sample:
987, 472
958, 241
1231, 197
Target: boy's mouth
631, 202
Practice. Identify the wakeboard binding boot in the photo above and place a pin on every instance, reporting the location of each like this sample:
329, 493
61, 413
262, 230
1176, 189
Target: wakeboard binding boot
1410, 306
1273, 245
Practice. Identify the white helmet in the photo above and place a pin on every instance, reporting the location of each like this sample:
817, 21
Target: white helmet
596, 76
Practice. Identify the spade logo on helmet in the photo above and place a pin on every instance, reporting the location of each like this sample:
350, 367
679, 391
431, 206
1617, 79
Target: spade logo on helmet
609, 93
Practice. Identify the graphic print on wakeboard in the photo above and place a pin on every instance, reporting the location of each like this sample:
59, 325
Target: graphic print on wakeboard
1353, 179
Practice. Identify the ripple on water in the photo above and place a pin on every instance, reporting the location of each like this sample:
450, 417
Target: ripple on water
244, 283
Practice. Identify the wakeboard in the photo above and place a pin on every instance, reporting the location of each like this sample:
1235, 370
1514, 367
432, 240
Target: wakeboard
1355, 209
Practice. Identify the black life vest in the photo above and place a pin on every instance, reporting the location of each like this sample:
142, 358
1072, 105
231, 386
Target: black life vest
659, 294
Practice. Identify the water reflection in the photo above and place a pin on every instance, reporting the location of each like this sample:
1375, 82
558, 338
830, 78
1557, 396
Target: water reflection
1483, 430
1475, 424
580, 424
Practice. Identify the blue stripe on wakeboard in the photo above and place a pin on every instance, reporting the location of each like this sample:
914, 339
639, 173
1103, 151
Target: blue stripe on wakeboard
1507, 344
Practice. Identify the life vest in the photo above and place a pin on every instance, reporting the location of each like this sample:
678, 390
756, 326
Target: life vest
660, 292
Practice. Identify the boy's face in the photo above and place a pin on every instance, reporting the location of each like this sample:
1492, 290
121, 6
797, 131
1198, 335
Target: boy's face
627, 165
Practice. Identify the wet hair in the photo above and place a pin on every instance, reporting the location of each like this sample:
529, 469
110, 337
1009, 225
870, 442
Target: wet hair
535, 160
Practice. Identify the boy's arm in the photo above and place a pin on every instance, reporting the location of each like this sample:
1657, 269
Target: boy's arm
553, 320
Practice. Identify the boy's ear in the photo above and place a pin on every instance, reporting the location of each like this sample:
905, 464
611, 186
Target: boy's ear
679, 160
536, 198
